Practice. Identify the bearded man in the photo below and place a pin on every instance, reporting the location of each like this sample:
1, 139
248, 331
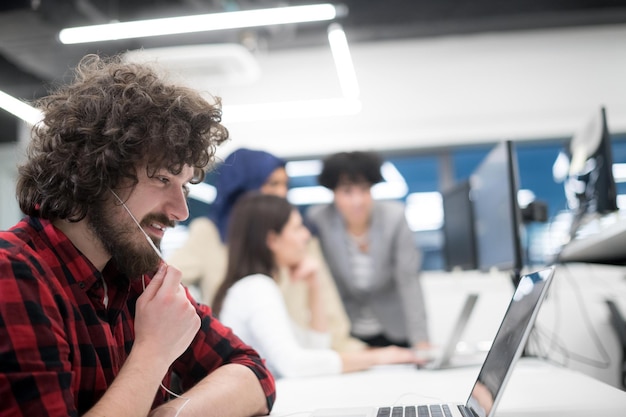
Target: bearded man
92, 321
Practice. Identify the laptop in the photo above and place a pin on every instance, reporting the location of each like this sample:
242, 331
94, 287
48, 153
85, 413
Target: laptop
441, 358
496, 369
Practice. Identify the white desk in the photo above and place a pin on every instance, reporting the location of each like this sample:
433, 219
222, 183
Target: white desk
574, 314
535, 389
604, 242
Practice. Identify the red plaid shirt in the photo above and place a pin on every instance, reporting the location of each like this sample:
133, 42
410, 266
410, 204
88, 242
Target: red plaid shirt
60, 348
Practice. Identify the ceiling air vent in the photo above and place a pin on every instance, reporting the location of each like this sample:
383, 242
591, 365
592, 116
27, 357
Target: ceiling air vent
203, 66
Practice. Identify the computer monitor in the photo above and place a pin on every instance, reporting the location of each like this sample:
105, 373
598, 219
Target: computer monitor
497, 216
590, 186
458, 228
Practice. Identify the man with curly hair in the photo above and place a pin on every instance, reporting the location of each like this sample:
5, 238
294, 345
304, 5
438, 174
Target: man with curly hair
92, 321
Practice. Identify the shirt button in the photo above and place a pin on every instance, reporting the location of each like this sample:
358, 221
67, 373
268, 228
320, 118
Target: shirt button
81, 285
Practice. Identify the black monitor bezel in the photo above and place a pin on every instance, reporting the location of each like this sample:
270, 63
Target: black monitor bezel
511, 186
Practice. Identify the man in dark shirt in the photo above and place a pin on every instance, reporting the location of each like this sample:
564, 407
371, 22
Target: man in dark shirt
92, 321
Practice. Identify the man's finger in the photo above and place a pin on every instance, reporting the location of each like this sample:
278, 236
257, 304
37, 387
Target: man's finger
172, 279
156, 282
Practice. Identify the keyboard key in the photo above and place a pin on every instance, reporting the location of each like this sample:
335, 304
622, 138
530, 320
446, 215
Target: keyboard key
435, 411
384, 412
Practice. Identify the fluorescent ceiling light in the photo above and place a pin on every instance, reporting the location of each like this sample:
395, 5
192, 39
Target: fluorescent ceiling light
347, 105
20, 109
343, 61
199, 23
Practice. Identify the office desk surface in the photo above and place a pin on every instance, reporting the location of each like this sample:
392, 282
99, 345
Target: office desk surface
604, 243
536, 388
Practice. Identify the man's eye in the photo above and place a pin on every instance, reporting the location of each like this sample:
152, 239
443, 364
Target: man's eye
164, 180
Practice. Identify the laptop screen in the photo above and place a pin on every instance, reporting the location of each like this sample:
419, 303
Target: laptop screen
509, 342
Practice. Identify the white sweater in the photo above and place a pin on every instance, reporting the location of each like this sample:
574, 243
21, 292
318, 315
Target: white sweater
255, 309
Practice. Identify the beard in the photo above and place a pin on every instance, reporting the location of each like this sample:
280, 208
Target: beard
127, 245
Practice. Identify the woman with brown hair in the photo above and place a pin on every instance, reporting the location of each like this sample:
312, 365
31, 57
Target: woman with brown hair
266, 235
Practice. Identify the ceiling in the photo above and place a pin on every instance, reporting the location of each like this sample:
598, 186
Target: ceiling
32, 58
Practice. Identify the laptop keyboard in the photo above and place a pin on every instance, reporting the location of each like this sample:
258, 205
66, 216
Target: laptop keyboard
434, 410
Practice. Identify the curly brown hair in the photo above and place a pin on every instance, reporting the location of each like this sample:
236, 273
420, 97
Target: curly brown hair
113, 118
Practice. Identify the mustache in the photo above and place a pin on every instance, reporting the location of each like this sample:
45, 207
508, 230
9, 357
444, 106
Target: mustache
158, 218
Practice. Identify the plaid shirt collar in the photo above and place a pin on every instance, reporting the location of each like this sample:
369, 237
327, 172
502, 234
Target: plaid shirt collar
82, 273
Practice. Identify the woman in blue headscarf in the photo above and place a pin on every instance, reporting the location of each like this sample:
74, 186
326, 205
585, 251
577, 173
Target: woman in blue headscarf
203, 257
242, 171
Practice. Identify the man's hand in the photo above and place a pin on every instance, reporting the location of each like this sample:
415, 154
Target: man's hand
165, 320
165, 325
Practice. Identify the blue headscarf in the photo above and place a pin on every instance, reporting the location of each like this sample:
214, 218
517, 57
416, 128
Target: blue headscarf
242, 171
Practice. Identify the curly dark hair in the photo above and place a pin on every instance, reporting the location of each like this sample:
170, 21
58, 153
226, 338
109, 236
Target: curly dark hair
351, 167
96, 131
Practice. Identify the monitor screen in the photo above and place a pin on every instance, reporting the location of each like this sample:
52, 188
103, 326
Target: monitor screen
458, 228
590, 186
497, 216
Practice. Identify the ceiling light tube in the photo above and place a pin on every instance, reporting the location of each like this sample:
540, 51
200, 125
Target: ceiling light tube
343, 61
200, 23
20, 109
